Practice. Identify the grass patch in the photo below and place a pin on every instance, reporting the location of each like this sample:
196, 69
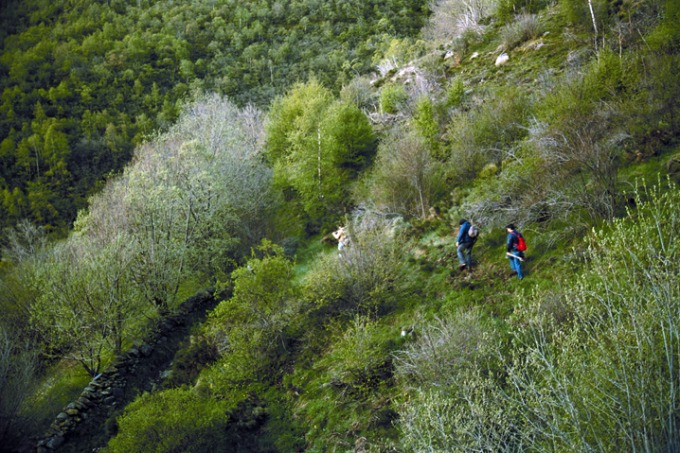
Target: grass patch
61, 384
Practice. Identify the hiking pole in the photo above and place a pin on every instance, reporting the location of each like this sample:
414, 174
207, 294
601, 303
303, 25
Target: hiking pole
514, 256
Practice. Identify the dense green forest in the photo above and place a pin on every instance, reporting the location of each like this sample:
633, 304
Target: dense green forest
83, 82
158, 152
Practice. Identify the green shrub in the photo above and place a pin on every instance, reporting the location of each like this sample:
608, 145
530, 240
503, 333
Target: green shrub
392, 98
666, 36
250, 329
344, 393
370, 277
426, 125
170, 421
455, 92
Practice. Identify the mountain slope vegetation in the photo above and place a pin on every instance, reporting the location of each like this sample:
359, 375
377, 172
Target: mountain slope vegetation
561, 118
82, 83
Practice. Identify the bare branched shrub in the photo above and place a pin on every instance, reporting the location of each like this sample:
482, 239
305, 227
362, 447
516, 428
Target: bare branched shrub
521, 191
407, 180
586, 155
359, 91
387, 65
423, 84
523, 28
487, 134
445, 349
473, 417
453, 398
451, 19
25, 242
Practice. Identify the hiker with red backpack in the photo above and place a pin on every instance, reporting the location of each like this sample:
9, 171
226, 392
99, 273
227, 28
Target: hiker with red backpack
515, 247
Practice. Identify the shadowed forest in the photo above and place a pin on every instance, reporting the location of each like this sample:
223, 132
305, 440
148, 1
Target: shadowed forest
154, 153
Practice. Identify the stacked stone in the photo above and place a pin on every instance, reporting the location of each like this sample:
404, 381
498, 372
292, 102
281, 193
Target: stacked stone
102, 394
106, 392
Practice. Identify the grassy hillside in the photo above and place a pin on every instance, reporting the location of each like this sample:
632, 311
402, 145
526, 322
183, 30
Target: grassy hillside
387, 345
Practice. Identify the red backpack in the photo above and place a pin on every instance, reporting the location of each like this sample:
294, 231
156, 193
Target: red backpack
521, 244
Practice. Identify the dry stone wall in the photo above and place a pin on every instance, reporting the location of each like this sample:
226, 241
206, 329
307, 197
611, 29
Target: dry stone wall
84, 424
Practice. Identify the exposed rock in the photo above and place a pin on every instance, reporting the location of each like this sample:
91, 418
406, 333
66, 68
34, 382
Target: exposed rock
55, 442
502, 59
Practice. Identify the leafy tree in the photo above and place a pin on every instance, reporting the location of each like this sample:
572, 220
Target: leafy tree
85, 308
318, 146
425, 124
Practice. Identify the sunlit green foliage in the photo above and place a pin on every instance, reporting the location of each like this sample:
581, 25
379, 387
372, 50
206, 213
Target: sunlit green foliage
250, 327
172, 420
392, 98
384, 345
318, 145
346, 388
104, 76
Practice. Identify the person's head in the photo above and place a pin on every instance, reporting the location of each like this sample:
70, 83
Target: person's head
462, 221
510, 227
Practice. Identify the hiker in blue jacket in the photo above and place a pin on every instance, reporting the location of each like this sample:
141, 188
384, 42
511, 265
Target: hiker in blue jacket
464, 245
513, 252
